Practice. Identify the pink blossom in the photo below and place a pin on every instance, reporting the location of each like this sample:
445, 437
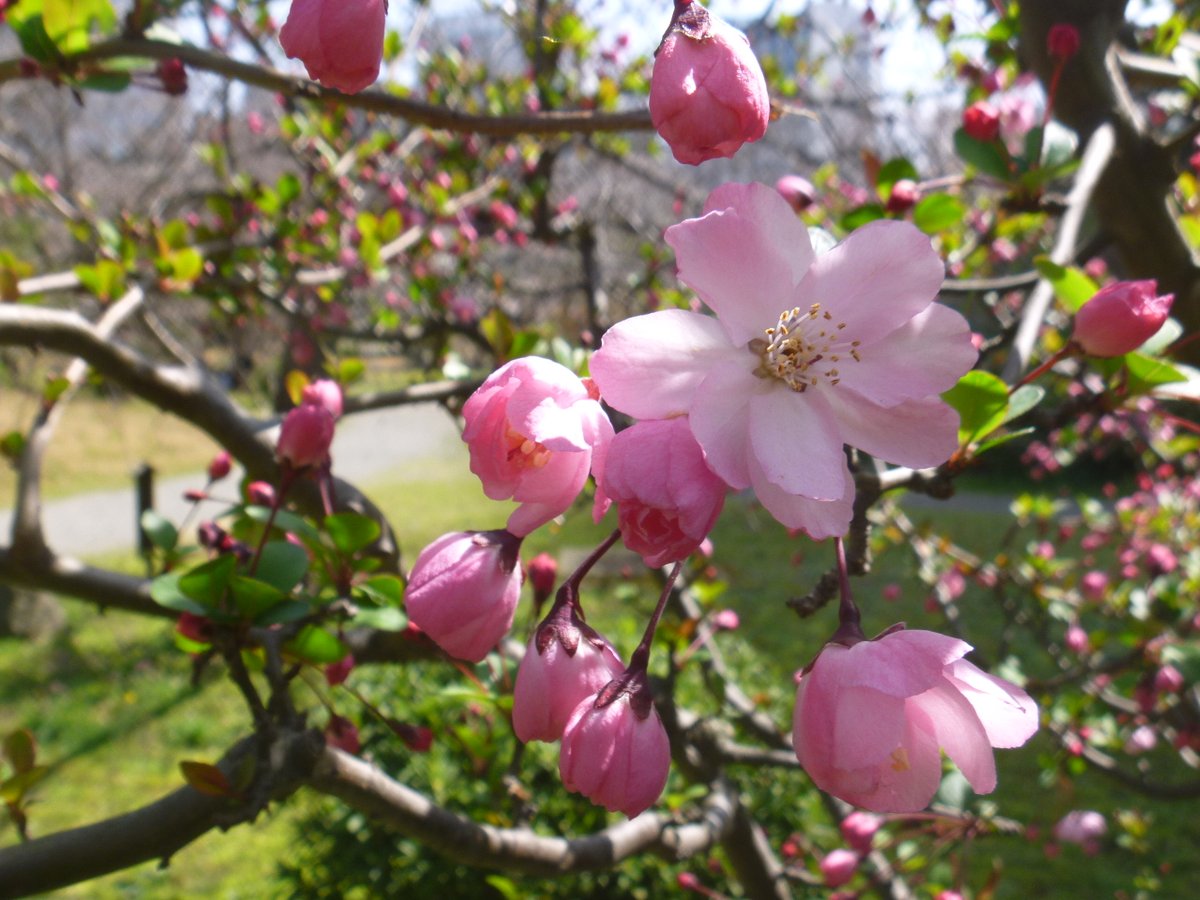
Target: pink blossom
1076, 640
708, 95
566, 661
324, 393
726, 620
1121, 317
305, 437
1084, 827
542, 571
260, 493
615, 750
463, 591
667, 498
858, 830
1094, 585
1141, 740
838, 867
797, 191
806, 354
340, 42
1168, 680
220, 466
872, 718
981, 121
534, 433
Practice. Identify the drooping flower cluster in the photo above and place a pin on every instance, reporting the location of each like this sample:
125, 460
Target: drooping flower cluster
806, 354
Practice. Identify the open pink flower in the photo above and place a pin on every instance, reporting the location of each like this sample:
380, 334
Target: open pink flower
708, 95
1084, 827
340, 42
566, 661
534, 434
463, 591
872, 719
667, 498
806, 354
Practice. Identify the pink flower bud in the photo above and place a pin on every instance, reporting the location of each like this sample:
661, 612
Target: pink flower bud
858, 830
324, 393
667, 495
1094, 585
195, 628
1084, 827
1142, 740
305, 437
533, 434
797, 191
1076, 640
220, 466
981, 121
872, 718
340, 42
416, 738
1121, 317
342, 734
463, 591
708, 95
904, 196
615, 750
173, 75
260, 493
838, 867
726, 620
336, 673
1168, 680
565, 663
543, 571
1062, 41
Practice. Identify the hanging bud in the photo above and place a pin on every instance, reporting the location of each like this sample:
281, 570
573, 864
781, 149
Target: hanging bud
340, 42
1062, 41
220, 466
173, 75
981, 121
1121, 317
305, 437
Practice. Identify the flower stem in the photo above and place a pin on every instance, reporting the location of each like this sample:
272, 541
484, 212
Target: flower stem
641, 655
285, 483
1064, 353
849, 630
568, 592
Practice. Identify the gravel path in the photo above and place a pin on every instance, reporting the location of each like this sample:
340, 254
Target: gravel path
367, 446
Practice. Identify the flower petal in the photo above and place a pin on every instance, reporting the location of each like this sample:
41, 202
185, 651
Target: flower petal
960, 733
917, 433
720, 419
925, 356
904, 663
874, 281
650, 366
868, 726
796, 440
1009, 715
744, 257
819, 519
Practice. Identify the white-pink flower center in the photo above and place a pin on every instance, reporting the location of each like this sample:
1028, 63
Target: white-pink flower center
804, 349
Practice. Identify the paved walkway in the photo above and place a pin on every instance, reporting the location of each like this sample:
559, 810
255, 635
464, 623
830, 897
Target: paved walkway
367, 446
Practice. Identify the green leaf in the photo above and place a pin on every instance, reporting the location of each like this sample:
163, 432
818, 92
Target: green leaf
164, 590
206, 778
986, 156
209, 582
1003, 439
1147, 373
185, 265
252, 597
282, 565
159, 529
12, 445
351, 532
31, 32
386, 618
284, 521
1070, 284
15, 788
291, 611
350, 370
383, 590
937, 212
981, 400
1022, 400
20, 750
892, 171
109, 82
316, 645
861, 216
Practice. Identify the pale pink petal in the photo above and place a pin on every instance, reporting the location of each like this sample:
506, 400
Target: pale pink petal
960, 733
795, 439
720, 419
812, 738
925, 356
819, 519
909, 783
874, 281
904, 663
650, 366
744, 257
1009, 715
867, 726
917, 433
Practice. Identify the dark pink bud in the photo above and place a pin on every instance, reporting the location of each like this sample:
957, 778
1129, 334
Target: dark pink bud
195, 628
210, 535
981, 121
342, 734
1121, 317
260, 493
904, 196
1062, 41
708, 95
336, 673
173, 75
194, 495
1168, 680
220, 466
305, 437
324, 393
417, 738
340, 42
543, 571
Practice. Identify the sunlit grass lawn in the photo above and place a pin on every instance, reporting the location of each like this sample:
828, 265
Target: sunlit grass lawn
113, 710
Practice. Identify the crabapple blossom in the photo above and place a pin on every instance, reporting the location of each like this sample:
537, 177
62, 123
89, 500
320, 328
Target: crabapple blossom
805, 354
324, 393
858, 829
797, 191
872, 717
220, 466
708, 95
838, 866
340, 42
615, 750
981, 121
305, 437
534, 432
1121, 317
566, 661
1084, 827
463, 591
667, 498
